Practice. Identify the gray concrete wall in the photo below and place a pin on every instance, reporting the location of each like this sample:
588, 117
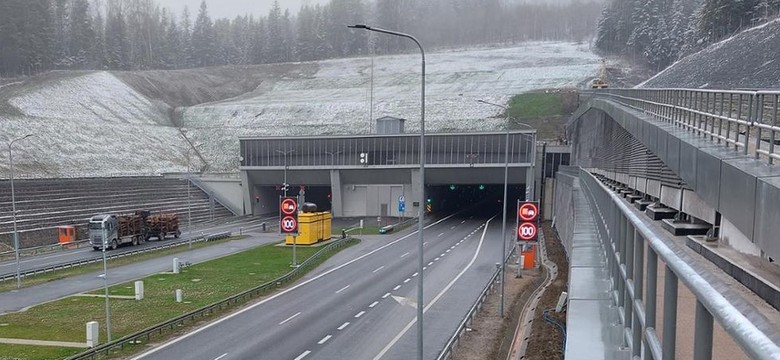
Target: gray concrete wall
744, 190
229, 191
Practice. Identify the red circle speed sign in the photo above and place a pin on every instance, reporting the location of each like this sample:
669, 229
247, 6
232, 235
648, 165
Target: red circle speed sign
289, 224
528, 212
289, 206
527, 231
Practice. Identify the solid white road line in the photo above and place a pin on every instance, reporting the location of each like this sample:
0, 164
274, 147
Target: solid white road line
359, 314
289, 318
373, 304
435, 299
342, 289
284, 292
343, 326
325, 339
303, 355
407, 253
221, 356
379, 268
385, 295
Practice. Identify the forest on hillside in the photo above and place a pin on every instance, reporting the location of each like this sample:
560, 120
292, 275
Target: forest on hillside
42, 35
659, 32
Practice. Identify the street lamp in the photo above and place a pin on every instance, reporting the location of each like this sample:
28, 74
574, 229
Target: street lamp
284, 187
420, 226
506, 180
13, 210
189, 197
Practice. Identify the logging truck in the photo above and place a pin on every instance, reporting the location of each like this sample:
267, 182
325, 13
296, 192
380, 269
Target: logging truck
111, 230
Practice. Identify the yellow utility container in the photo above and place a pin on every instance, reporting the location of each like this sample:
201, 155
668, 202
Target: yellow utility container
312, 228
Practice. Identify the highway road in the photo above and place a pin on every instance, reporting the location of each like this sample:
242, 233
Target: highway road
68, 256
360, 304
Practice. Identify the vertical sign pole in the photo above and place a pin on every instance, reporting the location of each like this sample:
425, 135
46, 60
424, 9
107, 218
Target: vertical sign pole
295, 236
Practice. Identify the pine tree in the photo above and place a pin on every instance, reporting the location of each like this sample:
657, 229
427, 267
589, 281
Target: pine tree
117, 53
275, 51
186, 58
82, 36
203, 40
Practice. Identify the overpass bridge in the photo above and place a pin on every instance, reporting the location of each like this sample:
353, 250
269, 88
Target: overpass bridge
675, 225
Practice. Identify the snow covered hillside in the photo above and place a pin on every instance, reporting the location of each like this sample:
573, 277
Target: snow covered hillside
747, 60
106, 124
337, 98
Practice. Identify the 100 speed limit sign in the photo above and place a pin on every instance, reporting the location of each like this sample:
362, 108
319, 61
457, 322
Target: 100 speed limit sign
527, 231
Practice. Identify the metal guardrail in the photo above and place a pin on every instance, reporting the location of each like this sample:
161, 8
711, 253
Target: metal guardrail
131, 339
35, 250
72, 264
624, 235
452, 343
728, 117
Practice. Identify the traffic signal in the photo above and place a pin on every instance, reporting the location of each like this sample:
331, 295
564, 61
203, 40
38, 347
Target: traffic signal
527, 221
330, 197
257, 198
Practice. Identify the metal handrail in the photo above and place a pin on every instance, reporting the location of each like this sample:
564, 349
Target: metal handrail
623, 233
133, 338
731, 117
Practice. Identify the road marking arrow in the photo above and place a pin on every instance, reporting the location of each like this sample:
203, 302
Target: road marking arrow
405, 301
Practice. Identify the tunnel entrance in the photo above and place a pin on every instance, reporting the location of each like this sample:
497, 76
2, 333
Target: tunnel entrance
444, 199
319, 195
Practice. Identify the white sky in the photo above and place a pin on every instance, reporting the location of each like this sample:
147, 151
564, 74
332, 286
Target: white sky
232, 8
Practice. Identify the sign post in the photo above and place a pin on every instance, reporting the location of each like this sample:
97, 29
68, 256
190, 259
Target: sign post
527, 232
288, 220
401, 205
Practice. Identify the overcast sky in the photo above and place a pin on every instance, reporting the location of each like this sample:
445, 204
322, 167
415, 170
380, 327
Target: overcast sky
231, 8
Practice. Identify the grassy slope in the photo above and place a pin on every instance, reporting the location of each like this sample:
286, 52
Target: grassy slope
545, 111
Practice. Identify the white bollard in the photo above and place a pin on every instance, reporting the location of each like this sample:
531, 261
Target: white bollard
175, 265
139, 290
361, 223
178, 295
93, 334
561, 301
522, 262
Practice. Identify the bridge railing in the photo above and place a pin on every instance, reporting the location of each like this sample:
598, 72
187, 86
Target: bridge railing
634, 287
744, 120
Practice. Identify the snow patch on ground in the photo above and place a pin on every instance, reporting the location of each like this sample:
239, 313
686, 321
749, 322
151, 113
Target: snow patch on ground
336, 99
94, 124
98, 96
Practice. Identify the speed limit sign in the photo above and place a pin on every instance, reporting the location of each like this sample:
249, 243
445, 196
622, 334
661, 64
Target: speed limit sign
527, 231
288, 215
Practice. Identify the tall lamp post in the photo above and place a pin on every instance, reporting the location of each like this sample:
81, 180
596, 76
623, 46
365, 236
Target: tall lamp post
189, 197
506, 180
284, 188
13, 209
420, 226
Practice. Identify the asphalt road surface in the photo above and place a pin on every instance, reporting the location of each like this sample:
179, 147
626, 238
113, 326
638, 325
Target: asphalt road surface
360, 304
67, 256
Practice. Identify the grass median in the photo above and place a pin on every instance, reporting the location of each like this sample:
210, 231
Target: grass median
202, 284
38, 279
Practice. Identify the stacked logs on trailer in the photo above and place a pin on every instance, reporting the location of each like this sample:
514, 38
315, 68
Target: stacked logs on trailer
132, 223
161, 224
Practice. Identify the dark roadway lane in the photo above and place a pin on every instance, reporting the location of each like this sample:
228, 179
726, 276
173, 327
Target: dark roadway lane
348, 309
67, 256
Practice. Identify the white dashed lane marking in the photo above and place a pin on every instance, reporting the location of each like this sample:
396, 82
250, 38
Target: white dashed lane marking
342, 289
385, 295
405, 254
344, 325
373, 304
396, 287
325, 339
303, 355
289, 318
379, 268
359, 314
